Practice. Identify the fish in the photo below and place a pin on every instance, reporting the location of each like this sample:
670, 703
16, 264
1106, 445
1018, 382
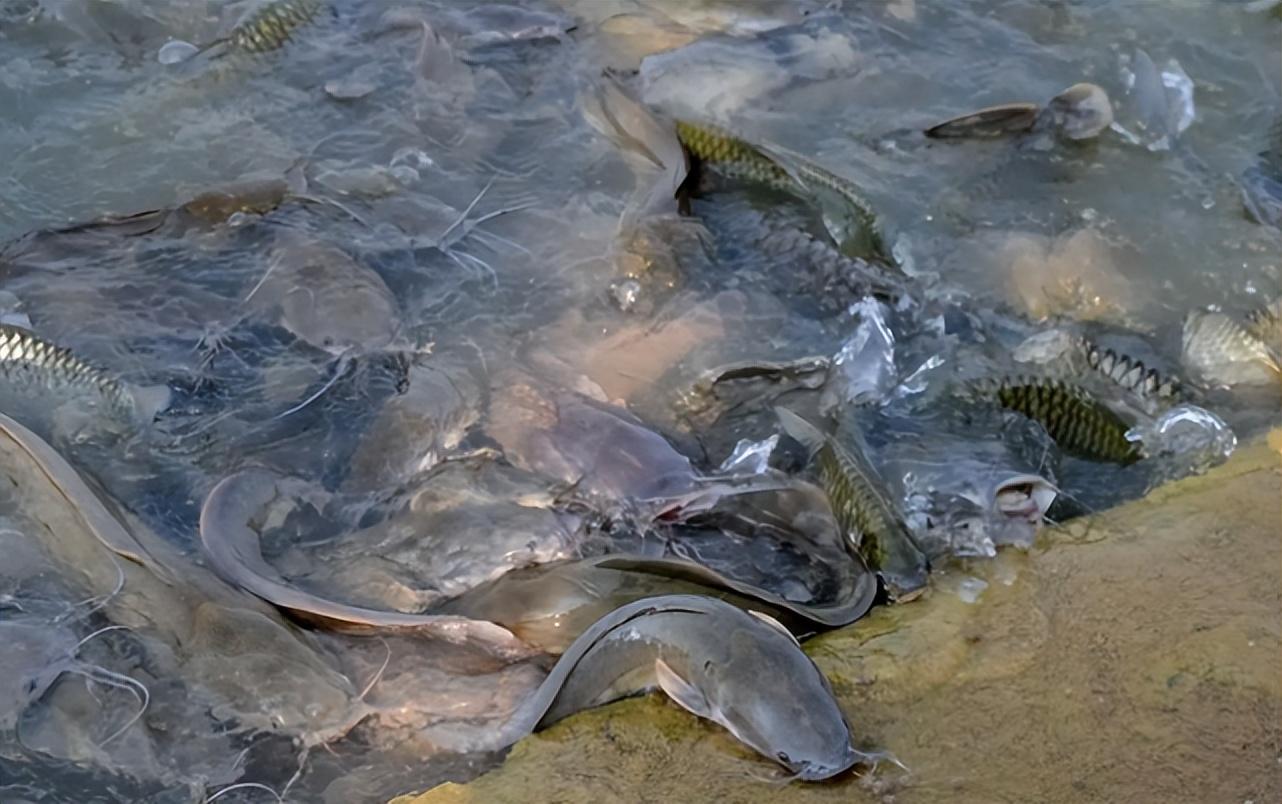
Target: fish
270, 26
232, 549
988, 123
1081, 112
972, 492
98, 520
1079, 423
607, 454
35, 372
1145, 384
848, 216
1220, 351
816, 270
546, 605
1265, 324
742, 671
864, 510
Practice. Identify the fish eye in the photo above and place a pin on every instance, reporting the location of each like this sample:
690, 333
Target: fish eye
782, 756
708, 666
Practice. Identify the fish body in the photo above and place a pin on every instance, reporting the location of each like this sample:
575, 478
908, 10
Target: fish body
848, 216
233, 550
731, 156
1266, 325
988, 123
1147, 385
741, 671
1221, 351
863, 509
271, 26
1079, 423
815, 269
34, 371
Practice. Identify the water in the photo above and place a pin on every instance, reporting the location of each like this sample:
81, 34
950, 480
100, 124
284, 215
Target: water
440, 240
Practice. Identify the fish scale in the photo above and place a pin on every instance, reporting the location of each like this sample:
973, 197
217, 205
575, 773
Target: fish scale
1132, 375
1266, 325
270, 27
732, 156
863, 509
1079, 423
780, 169
26, 359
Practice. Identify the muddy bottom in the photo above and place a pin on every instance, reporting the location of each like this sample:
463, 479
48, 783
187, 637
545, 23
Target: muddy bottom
1134, 656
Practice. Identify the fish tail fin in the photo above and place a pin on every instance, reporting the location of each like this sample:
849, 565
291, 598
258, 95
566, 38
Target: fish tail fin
151, 400
800, 430
634, 129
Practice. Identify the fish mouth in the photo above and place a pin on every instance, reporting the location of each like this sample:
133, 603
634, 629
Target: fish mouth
809, 771
1024, 497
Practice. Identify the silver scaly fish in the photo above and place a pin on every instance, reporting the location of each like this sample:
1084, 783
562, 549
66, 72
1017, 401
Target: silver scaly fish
32, 369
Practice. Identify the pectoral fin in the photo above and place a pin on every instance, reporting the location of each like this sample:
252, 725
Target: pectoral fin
681, 691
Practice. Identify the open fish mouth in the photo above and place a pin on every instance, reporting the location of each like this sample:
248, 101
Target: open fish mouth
1024, 497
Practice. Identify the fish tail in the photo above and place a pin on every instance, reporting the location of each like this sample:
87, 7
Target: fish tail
800, 430
150, 400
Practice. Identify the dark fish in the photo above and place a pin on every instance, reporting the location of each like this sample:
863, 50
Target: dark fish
1146, 384
548, 604
743, 672
1080, 424
988, 123
798, 263
863, 509
270, 27
34, 369
848, 216
232, 549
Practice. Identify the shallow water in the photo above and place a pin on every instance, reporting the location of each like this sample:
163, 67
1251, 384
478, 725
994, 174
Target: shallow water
441, 259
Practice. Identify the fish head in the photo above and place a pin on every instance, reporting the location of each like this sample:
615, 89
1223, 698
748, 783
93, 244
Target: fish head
772, 697
1019, 506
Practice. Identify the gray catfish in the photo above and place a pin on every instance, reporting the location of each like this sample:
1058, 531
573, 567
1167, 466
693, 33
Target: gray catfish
232, 548
549, 604
741, 671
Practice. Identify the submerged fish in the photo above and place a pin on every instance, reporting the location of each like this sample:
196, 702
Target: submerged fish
1080, 424
971, 493
863, 509
1220, 351
231, 546
35, 372
796, 262
743, 672
270, 26
849, 217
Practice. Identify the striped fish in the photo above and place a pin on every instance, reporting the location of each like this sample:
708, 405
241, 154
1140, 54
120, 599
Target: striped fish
271, 26
1081, 425
32, 369
863, 509
1266, 325
1146, 384
847, 214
